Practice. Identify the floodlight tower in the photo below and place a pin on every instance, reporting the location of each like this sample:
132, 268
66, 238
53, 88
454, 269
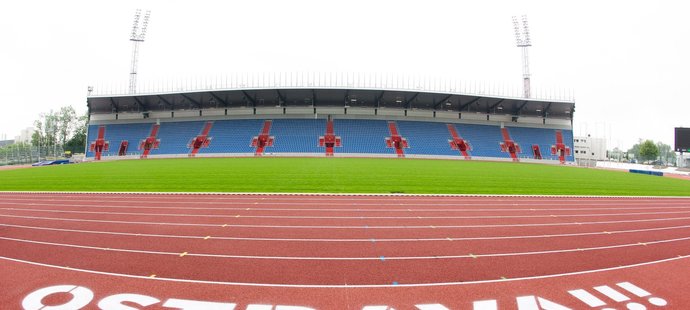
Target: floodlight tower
523, 41
137, 36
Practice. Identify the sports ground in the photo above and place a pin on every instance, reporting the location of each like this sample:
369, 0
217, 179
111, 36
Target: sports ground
332, 233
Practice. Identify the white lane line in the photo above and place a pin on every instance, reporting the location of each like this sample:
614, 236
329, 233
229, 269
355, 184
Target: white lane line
358, 227
330, 209
147, 278
314, 258
367, 240
260, 202
342, 217
340, 195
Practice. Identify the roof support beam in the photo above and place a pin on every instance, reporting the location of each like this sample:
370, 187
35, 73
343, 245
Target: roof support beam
409, 101
313, 97
196, 103
250, 98
215, 97
546, 110
442, 101
114, 105
522, 106
467, 104
281, 97
493, 106
142, 107
378, 98
161, 98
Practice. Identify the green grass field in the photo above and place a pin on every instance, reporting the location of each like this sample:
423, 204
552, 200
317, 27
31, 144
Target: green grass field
336, 175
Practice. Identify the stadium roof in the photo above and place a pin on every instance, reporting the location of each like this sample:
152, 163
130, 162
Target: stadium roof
330, 97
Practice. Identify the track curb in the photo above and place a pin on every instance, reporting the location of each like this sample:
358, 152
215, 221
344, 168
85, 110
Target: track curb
335, 194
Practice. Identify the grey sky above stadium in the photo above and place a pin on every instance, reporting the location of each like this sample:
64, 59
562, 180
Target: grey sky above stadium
627, 61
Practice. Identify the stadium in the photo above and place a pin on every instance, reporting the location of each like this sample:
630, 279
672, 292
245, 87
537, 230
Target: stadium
310, 121
338, 191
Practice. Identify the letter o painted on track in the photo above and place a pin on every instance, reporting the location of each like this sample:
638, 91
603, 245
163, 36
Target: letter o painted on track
81, 297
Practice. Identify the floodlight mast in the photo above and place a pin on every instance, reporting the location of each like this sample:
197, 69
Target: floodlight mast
137, 36
523, 41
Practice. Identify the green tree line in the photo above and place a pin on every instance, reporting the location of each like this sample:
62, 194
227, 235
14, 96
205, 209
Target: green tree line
648, 150
60, 128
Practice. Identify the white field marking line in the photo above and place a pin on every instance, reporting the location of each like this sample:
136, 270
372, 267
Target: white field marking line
375, 198
344, 227
406, 210
343, 217
147, 278
366, 240
259, 202
330, 197
272, 194
314, 258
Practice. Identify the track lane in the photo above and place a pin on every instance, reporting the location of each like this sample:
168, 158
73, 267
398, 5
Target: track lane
371, 249
660, 278
425, 211
380, 232
339, 272
590, 226
351, 222
350, 202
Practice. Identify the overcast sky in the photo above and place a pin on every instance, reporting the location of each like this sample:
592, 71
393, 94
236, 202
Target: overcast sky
627, 61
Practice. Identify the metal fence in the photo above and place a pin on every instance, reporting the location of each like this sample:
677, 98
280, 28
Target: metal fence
22, 154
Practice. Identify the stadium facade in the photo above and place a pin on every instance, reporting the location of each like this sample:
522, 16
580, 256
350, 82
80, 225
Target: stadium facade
329, 121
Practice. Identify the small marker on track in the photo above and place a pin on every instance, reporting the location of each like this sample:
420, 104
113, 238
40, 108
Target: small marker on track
395, 282
237, 215
607, 232
432, 226
449, 239
382, 258
183, 254
225, 225
207, 237
373, 240
504, 278
152, 276
473, 256
642, 243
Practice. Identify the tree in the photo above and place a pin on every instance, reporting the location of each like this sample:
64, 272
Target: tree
648, 150
77, 143
65, 123
635, 149
666, 153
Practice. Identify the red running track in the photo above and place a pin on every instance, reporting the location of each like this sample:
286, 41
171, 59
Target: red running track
345, 252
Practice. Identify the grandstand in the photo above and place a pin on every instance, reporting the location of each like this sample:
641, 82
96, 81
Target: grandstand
347, 122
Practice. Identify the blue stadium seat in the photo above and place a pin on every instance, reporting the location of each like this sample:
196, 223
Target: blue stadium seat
302, 136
